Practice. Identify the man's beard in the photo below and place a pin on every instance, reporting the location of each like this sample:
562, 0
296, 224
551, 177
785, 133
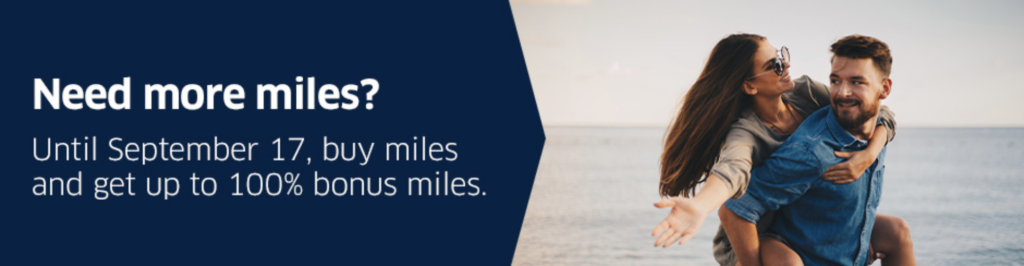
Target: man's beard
866, 113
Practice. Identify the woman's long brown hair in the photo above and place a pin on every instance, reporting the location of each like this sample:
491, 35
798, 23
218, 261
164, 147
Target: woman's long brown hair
694, 141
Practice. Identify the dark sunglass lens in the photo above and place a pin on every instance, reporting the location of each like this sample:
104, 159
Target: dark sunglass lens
779, 67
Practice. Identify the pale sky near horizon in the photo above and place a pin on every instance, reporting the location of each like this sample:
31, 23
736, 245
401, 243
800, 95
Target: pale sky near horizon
629, 63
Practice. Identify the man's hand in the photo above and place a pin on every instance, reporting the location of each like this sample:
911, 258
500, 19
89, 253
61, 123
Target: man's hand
872, 255
681, 224
851, 169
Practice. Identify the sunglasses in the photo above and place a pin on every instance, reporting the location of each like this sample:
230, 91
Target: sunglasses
778, 63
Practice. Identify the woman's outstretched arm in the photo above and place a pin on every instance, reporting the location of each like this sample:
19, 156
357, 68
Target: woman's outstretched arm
728, 178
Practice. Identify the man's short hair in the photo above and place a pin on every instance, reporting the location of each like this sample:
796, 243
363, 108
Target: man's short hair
860, 46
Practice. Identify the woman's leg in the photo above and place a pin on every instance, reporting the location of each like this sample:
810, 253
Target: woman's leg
891, 236
774, 252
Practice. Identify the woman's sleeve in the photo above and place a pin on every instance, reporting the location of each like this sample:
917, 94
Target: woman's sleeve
816, 91
888, 118
734, 163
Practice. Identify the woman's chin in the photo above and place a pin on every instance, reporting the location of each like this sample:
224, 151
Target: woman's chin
787, 84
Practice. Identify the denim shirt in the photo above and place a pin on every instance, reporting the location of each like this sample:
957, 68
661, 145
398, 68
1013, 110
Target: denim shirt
825, 223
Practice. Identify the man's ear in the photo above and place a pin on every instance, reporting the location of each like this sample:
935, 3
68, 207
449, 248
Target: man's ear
749, 88
886, 88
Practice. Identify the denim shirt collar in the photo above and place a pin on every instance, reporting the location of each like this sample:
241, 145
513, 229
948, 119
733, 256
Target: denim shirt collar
841, 135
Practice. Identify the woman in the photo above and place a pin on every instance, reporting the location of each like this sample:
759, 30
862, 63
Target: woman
744, 83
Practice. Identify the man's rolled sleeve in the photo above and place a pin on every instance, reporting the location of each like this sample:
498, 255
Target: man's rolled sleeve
747, 207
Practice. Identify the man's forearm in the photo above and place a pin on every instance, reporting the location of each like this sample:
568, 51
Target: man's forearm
743, 236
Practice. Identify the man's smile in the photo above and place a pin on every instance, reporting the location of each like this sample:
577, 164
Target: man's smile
847, 104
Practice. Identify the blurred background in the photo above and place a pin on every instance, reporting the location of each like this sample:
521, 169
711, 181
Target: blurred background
609, 76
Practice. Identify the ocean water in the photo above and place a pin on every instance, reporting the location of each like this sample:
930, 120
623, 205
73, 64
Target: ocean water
959, 189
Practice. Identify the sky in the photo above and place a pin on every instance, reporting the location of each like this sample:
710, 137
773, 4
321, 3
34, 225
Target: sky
629, 63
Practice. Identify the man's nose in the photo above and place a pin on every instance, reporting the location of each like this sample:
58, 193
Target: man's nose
842, 90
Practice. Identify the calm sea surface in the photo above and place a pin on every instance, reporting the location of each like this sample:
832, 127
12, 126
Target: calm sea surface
959, 189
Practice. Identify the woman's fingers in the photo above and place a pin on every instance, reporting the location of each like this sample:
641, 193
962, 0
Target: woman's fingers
844, 181
664, 237
664, 223
686, 238
839, 177
836, 175
680, 225
661, 227
665, 203
676, 235
833, 174
838, 166
842, 173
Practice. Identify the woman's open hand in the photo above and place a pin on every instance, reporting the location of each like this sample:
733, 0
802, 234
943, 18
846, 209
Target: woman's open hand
851, 169
681, 224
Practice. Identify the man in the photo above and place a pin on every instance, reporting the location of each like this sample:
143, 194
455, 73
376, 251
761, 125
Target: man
822, 222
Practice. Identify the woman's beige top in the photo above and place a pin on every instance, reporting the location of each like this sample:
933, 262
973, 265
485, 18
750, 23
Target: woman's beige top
750, 142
